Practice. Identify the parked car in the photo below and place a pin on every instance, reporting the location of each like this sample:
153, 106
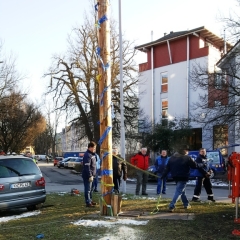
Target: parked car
215, 159
62, 163
40, 157
69, 164
56, 160
74, 161
21, 183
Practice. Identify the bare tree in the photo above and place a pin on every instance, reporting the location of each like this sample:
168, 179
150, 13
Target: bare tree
9, 77
232, 23
20, 122
74, 81
218, 107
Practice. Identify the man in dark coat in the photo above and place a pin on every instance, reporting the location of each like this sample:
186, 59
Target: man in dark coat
89, 172
179, 165
201, 179
119, 169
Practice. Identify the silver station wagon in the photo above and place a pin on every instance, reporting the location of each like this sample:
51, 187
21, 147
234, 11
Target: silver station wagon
21, 183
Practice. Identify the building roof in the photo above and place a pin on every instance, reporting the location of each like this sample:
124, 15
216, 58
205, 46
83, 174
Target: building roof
229, 54
201, 32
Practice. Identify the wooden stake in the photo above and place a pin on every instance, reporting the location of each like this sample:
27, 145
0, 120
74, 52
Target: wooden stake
105, 110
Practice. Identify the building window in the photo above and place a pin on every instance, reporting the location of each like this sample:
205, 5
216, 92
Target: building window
164, 108
164, 79
218, 80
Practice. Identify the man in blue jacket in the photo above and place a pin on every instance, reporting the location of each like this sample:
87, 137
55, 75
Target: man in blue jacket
89, 172
201, 179
160, 164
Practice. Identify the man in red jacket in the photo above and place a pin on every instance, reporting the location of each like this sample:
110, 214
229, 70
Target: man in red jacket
141, 160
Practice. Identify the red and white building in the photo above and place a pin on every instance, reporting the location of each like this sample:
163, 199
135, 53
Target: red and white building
164, 82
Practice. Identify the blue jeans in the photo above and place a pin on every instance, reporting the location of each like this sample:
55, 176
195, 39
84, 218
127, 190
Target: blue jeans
87, 190
180, 192
95, 181
161, 185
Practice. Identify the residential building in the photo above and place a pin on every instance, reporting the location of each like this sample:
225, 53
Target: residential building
70, 139
229, 78
165, 90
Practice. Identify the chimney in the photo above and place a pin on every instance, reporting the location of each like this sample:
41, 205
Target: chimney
165, 34
171, 32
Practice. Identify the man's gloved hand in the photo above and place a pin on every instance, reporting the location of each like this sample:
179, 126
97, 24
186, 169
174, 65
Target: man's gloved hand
91, 179
207, 175
125, 177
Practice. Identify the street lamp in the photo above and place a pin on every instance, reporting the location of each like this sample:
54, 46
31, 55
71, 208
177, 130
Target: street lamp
122, 141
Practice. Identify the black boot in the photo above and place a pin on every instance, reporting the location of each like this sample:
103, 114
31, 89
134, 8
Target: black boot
195, 199
210, 198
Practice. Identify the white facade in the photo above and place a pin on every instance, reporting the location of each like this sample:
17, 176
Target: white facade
180, 95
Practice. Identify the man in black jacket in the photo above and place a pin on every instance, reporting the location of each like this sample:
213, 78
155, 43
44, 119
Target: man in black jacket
89, 172
179, 165
201, 179
119, 169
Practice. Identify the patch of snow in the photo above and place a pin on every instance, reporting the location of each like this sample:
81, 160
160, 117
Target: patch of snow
122, 232
28, 214
113, 221
213, 181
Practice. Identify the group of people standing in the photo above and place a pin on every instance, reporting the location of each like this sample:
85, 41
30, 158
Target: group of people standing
179, 165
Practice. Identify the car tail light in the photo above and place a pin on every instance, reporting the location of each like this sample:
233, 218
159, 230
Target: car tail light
40, 182
1, 187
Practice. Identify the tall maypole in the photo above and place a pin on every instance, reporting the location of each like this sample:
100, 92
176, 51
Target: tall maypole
105, 113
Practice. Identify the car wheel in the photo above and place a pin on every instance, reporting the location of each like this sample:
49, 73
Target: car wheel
32, 208
58, 166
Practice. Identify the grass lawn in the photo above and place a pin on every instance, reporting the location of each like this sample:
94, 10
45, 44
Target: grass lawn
55, 221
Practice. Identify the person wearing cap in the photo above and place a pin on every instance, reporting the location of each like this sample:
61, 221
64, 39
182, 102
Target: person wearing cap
201, 179
141, 160
119, 170
179, 166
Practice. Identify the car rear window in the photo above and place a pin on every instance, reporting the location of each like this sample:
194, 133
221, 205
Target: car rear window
13, 167
79, 159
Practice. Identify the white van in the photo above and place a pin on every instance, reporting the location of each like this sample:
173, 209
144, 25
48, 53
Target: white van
40, 157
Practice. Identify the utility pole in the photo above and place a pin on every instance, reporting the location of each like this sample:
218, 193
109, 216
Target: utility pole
105, 114
121, 91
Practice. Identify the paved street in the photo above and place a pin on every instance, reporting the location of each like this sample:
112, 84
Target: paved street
62, 180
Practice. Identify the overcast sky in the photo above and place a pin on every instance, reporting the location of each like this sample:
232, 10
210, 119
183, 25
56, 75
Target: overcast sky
33, 30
